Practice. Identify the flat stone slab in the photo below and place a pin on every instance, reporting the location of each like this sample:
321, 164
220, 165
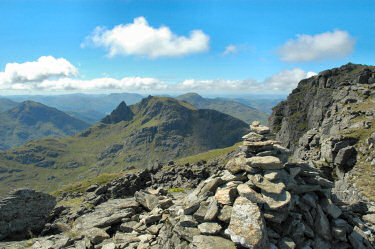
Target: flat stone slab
212, 242
247, 226
264, 162
265, 185
276, 201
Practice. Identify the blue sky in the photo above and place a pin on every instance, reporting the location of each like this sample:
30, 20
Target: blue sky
238, 46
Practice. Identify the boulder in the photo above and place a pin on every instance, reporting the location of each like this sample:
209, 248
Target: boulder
267, 186
147, 200
247, 226
24, 211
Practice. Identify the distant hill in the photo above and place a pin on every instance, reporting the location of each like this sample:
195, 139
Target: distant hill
103, 103
157, 128
89, 116
230, 107
262, 103
31, 120
6, 104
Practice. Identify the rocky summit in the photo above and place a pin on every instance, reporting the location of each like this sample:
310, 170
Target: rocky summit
243, 203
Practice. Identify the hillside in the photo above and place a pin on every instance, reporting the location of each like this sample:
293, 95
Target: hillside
132, 136
230, 107
328, 119
6, 104
30, 120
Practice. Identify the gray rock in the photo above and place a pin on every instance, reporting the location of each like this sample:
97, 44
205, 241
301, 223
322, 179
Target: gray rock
147, 200
225, 213
247, 225
265, 163
244, 190
212, 242
276, 201
209, 228
96, 235
24, 211
330, 208
212, 211
226, 195
321, 225
267, 186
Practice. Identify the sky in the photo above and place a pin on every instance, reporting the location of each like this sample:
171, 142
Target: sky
154, 47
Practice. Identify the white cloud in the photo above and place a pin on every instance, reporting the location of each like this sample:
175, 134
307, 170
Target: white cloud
328, 45
139, 38
286, 80
56, 75
44, 68
231, 49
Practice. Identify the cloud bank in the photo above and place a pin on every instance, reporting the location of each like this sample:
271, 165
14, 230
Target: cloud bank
328, 45
49, 74
36, 71
139, 38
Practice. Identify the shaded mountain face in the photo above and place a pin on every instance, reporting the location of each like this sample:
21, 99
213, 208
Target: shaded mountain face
30, 120
121, 113
131, 136
6, 104
329, 120
230, 107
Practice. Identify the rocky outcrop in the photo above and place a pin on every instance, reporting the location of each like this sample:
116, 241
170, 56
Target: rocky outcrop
239, 206
24, 213
327, 122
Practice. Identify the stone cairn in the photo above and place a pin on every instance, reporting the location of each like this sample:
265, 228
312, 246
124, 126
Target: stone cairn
259, 201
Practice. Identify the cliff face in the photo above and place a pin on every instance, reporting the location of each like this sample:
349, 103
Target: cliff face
327, 119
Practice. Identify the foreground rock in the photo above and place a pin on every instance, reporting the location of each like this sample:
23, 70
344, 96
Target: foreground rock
244, 206
23, 213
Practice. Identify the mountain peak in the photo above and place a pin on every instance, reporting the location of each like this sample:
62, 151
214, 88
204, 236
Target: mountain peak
121, 113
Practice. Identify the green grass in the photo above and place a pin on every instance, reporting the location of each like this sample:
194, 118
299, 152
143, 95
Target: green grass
176, 190
211, 154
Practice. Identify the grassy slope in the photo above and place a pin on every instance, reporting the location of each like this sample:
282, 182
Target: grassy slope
6, 104
81, 186
76, 158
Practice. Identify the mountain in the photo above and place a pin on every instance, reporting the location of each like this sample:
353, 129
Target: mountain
157, 128
103, 103
31, 120
328, 120
230, 107
264, 103
6, 104
89, 116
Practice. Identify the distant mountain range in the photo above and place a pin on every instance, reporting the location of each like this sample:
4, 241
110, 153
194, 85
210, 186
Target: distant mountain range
157, 128
90, 108
6, 104
228, 106
31, 120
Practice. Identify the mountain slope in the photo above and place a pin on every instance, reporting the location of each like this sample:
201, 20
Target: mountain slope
230, 107
6, 104
160, 129
30, 120
329, 120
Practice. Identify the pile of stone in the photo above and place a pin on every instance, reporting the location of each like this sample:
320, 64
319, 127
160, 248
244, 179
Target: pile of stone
258, 201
